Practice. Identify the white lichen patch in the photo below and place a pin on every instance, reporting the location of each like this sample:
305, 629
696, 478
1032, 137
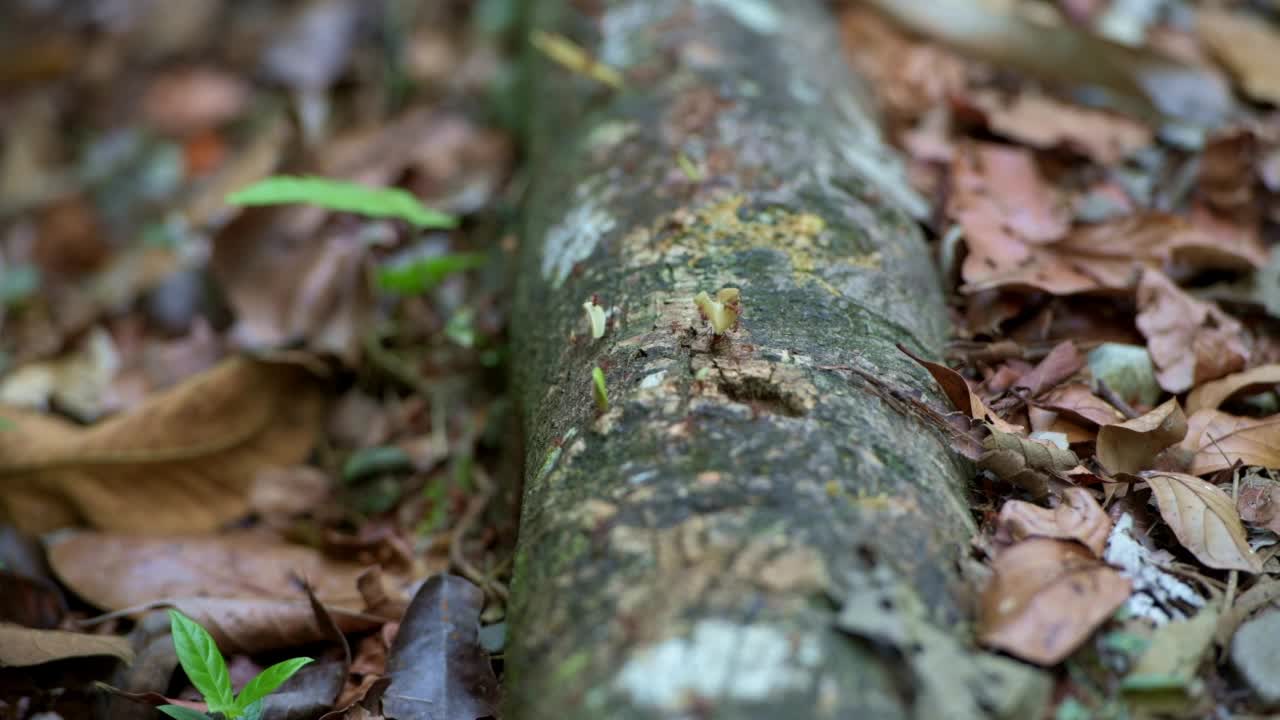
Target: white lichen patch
576, 236
720, 659
1157, 595
756, 15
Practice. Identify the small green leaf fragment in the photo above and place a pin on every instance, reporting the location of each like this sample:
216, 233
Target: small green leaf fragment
722, 312
599, 389
461, 328
200, 659
267, 681
380, 460
342, 196
422, 274
178, 712
571, 56
689, 168
595, 316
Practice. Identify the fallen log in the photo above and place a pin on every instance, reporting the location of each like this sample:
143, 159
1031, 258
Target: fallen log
691, 529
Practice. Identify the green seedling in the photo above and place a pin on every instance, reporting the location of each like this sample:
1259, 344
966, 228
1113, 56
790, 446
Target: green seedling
599, 389
207, 670
342, 196
722, 312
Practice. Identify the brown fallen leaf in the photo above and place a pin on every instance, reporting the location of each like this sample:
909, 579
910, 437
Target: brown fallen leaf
1029, 464
1078, 517
1190, 341
244, 587
187, 100
22, 647
1212, 394
1217, 441
1227, 170
1063, 361
1204, 519
1052, 422
1259, 501
961, 395
1043, 122
1078, 403
182, 462
1246, 44
1130, 446
1045, 598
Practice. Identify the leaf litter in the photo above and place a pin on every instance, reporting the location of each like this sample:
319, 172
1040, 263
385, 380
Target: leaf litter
1128, 496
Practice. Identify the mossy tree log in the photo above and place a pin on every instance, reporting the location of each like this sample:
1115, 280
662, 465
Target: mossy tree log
685, 552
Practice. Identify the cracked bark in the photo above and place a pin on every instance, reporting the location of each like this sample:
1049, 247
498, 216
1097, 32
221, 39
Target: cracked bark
685, 553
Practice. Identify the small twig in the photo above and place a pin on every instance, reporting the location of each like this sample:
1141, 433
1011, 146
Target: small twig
475, 506
1116, 401
1233, 577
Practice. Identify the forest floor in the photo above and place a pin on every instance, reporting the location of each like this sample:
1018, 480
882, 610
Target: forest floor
288, 422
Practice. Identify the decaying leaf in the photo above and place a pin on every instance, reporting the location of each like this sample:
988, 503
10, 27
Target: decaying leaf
1045, 598
961, 395
436, 665
1078, 517
243, 587
22, 647
1259, 501
1130, 446
1043, 122
1027, 463
1217, 441
1212, 394
181, 462
1190, 341
1078, 403
1063, 361
1248, 45
1204, 519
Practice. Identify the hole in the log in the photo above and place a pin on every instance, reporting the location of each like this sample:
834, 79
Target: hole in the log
762, 395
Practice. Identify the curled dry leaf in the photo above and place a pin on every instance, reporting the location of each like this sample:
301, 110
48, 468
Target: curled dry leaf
22, 647
1045, 598
181, 462
1079, 404
1063, 361
1248, 45
961, 395
1212, 394
1027, 463
1259, 502
1217, 441
1190, 341
244, 587
1130, 446
1043, 122
1204, 519
1078, 517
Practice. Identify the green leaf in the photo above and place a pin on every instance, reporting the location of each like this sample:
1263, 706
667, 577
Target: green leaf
599, 389
267, 681
200, 659
421, 274
253, 711
179, 712
342, 196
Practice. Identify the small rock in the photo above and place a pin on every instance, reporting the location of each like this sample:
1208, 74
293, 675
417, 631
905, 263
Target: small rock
1255, 654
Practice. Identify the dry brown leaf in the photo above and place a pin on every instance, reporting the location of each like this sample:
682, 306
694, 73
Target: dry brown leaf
1078, 403
1027, 463
1227, 170
1045, 598
1049, 421
1078, 517
22, 647
1130, 446
1204, 519
1212, 394
181, 462
244, 587
188, 100
1259, 502
1043, 122
1063, 361
1246, 44
1218, 440
1190, 341
961, 395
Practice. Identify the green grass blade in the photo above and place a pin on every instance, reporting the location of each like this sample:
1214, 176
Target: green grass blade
342, 196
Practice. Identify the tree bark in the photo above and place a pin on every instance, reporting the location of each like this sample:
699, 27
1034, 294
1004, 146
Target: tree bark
685, 553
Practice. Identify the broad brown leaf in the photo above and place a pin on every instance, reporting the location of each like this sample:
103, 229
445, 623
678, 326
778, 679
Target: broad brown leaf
1218, 440
961, 395
1204, 519
1043, 122
1077, 402
1190, 341
181, 462
1028, 463
21, 647
1078, 517
1130, 446
1212, 394
244, 587
1046, 597
1063, 361
1248, 45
